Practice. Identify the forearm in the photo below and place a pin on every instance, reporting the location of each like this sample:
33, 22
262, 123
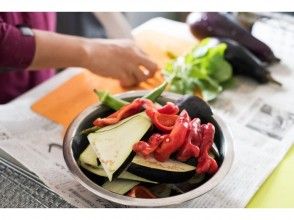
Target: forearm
119, 59
59, 51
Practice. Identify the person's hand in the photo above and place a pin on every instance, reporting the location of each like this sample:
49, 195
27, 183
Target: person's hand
119, 59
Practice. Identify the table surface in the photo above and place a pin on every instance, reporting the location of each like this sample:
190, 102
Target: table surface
277, 190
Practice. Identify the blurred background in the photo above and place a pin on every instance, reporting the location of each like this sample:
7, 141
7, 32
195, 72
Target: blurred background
91, 24
121, 24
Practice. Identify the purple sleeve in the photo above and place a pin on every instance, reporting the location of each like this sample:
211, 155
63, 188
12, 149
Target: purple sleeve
16, 50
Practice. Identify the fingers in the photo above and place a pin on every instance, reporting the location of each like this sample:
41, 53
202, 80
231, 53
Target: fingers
140, 74
146, 61
127, 79
149, 65
134, 76
138, 71
131, 65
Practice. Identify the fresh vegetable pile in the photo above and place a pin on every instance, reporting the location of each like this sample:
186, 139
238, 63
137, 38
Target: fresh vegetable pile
150, 151
225, 49
222, 25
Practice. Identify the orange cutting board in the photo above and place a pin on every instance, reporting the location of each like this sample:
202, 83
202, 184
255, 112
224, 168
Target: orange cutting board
64, 103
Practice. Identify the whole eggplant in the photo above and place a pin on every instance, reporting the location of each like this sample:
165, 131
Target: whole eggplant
214, 24
245, 63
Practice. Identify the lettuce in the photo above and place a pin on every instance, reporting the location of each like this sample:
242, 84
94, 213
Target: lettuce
204, 68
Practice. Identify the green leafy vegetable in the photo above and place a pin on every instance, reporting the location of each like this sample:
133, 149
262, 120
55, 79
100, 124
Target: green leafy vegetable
203, 68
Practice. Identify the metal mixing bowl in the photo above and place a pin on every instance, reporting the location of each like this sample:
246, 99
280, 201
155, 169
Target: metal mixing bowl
74, 144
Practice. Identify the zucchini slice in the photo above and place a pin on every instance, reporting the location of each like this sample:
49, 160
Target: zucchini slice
113, 144
120, 186
170, 171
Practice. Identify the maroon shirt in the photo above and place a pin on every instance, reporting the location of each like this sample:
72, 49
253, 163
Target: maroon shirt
17, 52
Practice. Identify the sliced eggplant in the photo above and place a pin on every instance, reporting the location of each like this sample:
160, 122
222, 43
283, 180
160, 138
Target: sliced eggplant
113, 144
87, 162
89, 157
161, 190
120, 186
190, 184
99, 180
124, 175
170, 171
166, 189
129, 176
195, 106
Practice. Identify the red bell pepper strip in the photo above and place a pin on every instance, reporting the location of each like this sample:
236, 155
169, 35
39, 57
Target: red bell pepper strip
175, 139
146, 148
141, 192
205, 162
163, 122
169, 108
124, 112
213, 166
163, 118
193, 141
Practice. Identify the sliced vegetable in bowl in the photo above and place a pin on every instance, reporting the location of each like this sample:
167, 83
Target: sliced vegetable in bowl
124, 169
120, 136
113, 144
170, 171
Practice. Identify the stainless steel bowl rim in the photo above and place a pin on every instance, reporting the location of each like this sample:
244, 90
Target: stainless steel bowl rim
124, 200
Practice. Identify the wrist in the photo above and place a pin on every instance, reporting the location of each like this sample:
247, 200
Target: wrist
84, 53
91, 51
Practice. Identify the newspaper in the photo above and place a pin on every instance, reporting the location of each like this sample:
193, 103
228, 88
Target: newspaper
261, 119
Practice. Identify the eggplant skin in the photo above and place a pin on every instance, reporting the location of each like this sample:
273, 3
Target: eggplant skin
95, 178
195, 106
161, 176
214, 24
124, 165
244, 62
